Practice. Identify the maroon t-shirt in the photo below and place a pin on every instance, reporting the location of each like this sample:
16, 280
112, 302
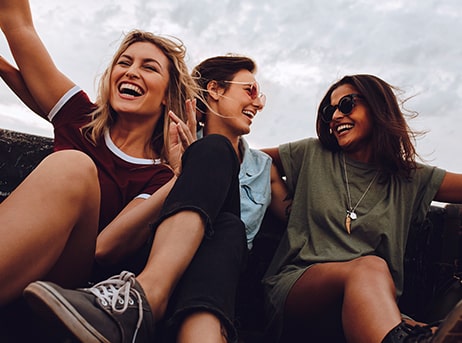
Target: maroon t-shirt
121, 177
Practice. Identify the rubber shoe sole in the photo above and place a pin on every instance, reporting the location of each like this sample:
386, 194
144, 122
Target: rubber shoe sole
52, 306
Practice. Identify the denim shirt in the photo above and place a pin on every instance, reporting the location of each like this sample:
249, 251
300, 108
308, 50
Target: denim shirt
255, 180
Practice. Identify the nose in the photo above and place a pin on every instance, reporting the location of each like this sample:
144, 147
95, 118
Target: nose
131, 72
337, 114
260, 101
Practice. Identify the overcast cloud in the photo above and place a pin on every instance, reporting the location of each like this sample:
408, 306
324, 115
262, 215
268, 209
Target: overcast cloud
301, 47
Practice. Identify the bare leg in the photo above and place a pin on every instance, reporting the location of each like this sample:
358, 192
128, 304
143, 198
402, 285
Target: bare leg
201, 327
209, 182
362, 289
176, 241
49, 224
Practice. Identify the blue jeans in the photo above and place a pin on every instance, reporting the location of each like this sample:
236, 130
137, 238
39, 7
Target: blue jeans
209, 184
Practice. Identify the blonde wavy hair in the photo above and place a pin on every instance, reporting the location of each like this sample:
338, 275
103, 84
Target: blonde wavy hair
181, 87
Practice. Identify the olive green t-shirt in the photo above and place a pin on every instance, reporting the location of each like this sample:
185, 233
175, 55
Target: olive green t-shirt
316, 230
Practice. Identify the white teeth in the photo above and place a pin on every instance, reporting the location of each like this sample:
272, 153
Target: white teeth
129, 88
249, 114
344, 127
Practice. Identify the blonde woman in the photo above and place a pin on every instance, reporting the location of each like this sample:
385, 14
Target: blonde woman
90, 202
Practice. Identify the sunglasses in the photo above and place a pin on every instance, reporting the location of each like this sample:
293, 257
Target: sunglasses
345, 105
253, 91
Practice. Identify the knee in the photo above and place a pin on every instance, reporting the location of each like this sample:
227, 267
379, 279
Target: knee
72, 169
218, 141
370, 268
371, 263
74, 163
216, 146
210, 157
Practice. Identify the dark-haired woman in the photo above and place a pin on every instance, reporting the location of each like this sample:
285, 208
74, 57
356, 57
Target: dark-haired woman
357, 189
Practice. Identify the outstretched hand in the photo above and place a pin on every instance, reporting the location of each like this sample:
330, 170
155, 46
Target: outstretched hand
181, 135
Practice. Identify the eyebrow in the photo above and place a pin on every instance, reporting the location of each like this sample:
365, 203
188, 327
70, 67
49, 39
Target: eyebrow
145, 60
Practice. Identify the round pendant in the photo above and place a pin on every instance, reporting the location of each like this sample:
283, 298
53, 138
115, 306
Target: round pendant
353, 215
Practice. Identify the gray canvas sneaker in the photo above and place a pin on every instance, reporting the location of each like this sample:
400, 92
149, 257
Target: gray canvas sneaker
114, 310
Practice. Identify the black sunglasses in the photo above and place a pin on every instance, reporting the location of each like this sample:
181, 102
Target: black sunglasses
345, 105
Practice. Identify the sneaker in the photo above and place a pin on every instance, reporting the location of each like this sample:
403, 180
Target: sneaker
406, 333
115, 310
448, 330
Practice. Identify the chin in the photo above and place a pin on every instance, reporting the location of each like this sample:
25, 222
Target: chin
245, 130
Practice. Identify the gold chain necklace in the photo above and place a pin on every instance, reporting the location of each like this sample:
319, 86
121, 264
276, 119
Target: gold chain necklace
350, 212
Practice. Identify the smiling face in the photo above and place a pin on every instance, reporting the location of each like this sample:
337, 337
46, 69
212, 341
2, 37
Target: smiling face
139, 81
233, 108
353, 132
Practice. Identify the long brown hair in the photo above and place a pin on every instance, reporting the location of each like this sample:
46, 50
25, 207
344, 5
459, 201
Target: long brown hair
219, 69
180, 87
392, 139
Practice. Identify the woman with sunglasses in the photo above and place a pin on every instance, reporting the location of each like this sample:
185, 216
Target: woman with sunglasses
233, 99
356, 190
228, 102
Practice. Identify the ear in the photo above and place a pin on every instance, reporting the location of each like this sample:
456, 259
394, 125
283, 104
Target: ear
212, 90
164, 100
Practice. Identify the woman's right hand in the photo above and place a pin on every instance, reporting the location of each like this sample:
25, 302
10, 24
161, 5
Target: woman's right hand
43, 80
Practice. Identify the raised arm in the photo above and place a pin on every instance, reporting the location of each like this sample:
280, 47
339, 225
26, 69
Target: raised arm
15, 81
44, 81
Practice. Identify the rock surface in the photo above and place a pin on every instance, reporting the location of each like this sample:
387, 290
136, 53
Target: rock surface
19, 155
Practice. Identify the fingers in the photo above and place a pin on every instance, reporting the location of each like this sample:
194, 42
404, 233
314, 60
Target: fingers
175, 149
186, 131
184, 135
181, 134
182, 130
173, 134
192, 119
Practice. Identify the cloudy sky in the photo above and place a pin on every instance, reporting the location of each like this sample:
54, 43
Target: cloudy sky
301, 47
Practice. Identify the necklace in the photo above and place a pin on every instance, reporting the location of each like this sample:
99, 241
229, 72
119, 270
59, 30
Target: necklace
350, 212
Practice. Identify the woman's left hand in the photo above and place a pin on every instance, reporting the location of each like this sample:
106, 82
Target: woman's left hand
181, 134
186, 131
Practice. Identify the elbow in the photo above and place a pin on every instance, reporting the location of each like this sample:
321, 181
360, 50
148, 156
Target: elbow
106, 257
102, 259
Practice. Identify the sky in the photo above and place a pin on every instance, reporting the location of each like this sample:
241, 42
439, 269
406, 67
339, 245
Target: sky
301, 48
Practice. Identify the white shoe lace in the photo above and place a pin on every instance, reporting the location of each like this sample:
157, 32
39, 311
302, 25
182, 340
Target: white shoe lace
116, 292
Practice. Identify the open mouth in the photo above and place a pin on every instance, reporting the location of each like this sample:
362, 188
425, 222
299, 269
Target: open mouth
343, 128
248, 114
130, 89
